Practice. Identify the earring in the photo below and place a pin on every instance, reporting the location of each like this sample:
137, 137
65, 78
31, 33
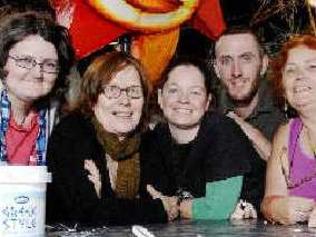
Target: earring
286, 109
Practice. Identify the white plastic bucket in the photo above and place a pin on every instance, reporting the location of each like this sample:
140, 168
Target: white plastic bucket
23, 200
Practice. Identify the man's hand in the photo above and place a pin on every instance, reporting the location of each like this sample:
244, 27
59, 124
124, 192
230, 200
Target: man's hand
244, 210
259, 141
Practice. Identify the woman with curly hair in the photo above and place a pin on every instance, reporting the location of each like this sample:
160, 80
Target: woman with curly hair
290, 193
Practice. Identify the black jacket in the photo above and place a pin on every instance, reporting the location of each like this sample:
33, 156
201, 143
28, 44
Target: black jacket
71, 196
221, 150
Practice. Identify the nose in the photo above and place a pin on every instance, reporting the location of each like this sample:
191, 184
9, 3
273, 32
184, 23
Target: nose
183, 97
300, 73
37, 71
236, 70
124, 98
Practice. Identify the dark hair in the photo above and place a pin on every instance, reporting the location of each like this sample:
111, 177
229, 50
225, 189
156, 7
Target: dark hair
241, 29
188, 61
16, 27
100, 72
279, 62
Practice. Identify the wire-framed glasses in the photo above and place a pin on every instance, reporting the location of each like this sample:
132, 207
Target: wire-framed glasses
114, 92
47, 65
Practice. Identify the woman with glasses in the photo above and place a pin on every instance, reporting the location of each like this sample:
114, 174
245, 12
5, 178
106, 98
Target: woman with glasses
95, 154
290, 194
35, 56
198, 156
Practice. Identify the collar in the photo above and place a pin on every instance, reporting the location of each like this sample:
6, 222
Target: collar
265, 103
28, 127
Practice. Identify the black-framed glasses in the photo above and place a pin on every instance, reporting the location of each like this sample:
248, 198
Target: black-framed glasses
47, 65
114, 92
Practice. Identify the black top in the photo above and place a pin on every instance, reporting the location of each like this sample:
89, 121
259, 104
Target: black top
220, 151
71, 196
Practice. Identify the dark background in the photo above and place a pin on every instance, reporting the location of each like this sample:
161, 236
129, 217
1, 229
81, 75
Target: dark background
274, 20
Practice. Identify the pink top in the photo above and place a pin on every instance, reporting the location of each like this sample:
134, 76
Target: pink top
302, 165
21, 142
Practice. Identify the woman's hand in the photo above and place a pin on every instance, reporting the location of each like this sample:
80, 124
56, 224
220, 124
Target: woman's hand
153, 192
299, 209
171, 207
312, 219
170, 204
94, 176
290, 210
186, 209
244, 210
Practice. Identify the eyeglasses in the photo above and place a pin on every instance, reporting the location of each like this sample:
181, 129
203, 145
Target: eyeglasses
47, 65
114, 92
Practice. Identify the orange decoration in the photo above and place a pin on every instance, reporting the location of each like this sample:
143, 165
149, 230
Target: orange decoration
95, 23
155, 5
208, 19
133, 18
88, 29
155, 51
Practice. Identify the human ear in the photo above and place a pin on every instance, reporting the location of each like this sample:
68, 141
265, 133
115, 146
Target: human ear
209, 101
216, 68
264, 65
159, 98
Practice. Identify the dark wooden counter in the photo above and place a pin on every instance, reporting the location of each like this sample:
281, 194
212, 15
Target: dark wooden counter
197, 229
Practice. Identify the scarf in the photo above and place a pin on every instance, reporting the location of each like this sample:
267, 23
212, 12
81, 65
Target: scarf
4, 124
126, 153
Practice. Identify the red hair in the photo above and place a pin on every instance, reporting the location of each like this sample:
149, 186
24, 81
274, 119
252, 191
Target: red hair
279, 62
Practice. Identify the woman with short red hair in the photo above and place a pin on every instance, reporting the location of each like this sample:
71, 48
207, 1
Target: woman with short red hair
290, 193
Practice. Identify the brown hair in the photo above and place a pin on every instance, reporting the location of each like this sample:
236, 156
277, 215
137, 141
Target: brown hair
279, 62
188, 61
15, 27
100, 72
241, 29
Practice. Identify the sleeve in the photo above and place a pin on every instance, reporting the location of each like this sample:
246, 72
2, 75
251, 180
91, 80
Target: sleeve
156, 170
238, 153
232, 155
230, 152
220, 200
72, 197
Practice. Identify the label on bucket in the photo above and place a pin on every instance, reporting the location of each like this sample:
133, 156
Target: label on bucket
22, 213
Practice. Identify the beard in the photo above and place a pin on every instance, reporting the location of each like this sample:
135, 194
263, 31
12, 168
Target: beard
246, 98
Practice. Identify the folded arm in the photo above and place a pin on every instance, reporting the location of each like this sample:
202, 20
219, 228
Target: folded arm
219, 202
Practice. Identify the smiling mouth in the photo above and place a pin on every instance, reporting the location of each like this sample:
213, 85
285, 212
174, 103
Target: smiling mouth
183, 110
122, 114
301, 89
236, 82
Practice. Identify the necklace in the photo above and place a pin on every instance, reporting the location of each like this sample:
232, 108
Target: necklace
41, 141
20, 123
310, 143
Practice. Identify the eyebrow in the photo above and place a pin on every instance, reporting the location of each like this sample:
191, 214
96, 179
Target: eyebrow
171, 84
247, 54
310, 60
241, 55
224, 57
306, 61
191, 87
23, 55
